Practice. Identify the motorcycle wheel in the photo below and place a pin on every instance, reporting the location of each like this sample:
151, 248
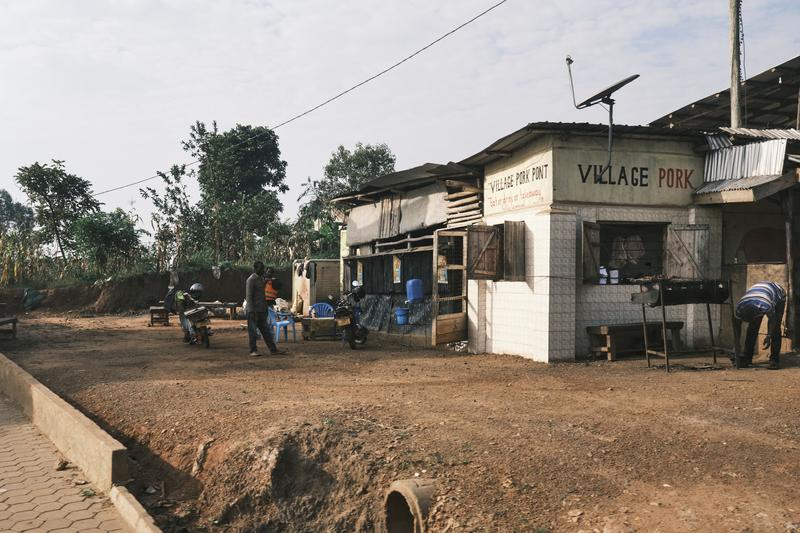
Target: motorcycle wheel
350, 334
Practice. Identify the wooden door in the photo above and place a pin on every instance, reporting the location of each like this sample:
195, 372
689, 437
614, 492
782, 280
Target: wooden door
449, 301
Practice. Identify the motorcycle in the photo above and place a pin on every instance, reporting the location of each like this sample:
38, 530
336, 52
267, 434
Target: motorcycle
347, 315
201, 324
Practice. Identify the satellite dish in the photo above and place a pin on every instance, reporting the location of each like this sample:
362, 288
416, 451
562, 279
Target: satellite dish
605, 94
603, 97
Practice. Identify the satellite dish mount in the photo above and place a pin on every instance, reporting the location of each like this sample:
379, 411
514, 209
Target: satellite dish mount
603, 97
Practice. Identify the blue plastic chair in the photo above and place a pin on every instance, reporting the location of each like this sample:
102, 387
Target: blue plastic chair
321, 310
282, 320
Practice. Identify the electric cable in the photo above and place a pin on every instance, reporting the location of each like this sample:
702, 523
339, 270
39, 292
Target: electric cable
332, 98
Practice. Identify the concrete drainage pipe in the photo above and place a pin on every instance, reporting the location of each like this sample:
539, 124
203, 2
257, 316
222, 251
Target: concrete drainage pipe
407, 504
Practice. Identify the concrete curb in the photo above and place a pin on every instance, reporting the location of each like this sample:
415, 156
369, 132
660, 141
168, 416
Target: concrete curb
100, 457
131, 511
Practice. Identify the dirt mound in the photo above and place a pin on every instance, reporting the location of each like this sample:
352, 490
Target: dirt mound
138, 292
314, 479
57, 299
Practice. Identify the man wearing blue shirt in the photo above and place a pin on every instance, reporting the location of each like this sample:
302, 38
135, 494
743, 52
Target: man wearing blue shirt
764, 298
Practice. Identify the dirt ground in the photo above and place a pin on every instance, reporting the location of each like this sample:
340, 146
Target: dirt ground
309, 441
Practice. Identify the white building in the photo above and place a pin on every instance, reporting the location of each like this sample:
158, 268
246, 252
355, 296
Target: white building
524, 245
633, 220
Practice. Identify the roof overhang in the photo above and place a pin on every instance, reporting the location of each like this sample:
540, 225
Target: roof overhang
745, 190
770, 100
507, 145
403, 181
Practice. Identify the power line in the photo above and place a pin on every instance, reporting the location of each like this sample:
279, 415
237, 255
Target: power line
335, 97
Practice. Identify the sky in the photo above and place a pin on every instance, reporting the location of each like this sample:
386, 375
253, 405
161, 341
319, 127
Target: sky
112, 86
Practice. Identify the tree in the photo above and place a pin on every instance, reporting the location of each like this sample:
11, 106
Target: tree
18, 242
172, 213
240, 175
59, 199
346, 171
14, 215
104, 238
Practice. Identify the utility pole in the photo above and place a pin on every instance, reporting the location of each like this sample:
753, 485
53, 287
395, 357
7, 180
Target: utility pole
735, 13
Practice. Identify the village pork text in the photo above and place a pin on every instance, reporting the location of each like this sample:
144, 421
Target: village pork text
671, 178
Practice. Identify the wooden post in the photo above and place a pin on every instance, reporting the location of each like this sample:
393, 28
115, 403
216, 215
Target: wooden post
797, 120
790, 301
734, 14
663, 323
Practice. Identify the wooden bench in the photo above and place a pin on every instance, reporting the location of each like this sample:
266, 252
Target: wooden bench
614, 340
232, 307
12, 321
159, 315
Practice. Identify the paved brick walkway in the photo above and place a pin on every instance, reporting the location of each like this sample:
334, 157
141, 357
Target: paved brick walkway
34, 496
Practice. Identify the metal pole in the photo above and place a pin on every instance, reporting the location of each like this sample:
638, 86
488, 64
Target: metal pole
734, 10
644, 325
711, 333
663, 323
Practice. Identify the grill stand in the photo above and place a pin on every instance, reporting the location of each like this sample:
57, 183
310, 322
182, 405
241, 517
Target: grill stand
666, 353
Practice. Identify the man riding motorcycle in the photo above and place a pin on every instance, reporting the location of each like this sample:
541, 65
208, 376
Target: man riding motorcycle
184, 301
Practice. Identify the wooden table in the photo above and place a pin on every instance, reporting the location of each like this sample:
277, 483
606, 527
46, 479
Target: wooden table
231, 306
159, 315
618, 339
12, 321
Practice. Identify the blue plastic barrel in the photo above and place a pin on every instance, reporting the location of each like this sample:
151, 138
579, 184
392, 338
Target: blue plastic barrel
414, 290
401, 314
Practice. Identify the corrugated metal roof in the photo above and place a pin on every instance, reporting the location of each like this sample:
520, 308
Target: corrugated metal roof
521, 137
422, 173
791, 134
739, 184
769, 98
717, 141
412, 177
765, 158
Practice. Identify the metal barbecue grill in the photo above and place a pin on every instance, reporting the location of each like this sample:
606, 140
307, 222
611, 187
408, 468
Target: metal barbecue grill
665, 293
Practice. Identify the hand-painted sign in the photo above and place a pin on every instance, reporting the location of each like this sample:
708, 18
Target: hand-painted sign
642, 172
518, 186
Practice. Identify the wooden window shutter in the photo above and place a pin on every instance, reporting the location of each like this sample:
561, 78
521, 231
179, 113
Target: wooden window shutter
590, 251
484, 252
514, 250
686, 251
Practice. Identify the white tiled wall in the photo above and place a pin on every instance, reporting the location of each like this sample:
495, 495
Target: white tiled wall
609, 304
476, 315
545, 317
518, 312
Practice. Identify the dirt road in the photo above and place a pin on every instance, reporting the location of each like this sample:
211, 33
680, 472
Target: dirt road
310, 440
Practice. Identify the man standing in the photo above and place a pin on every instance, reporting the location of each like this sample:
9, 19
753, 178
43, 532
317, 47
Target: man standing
764, 298
257, 310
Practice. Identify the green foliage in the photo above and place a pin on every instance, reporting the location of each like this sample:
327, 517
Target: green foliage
172, 212
59, 199
14, 216
236, 220
347, 171
19, 245
245, 160
240, 176
108, 240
